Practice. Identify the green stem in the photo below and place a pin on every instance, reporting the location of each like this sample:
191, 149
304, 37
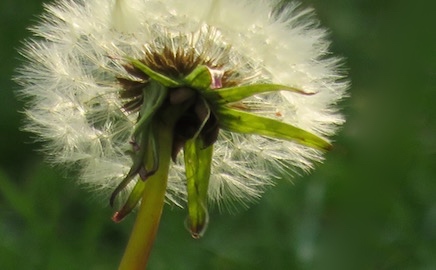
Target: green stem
148, 217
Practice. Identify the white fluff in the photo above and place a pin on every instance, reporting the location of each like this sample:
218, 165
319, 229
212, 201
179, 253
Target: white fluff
69, 75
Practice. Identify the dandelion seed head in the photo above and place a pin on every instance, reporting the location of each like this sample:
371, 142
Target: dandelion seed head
75, 66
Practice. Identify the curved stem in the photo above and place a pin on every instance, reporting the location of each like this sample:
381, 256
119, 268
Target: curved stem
147, 221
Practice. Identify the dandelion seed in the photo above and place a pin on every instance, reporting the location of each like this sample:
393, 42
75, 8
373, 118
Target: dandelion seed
224, 89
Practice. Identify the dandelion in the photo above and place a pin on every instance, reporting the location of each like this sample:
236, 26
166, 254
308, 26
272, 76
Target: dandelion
189, 102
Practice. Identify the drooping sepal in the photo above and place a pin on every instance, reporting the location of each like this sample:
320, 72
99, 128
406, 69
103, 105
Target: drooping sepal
247, 123
132, 201
198, 165
238, 93
144, 138
154, 96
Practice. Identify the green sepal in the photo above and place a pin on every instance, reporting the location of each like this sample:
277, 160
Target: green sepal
199, 78
132, 201
144, 137
162, 79
238, 93
154, 95
243, 122
138, 161
198, 165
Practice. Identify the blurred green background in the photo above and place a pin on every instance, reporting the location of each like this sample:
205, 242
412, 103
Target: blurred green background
371, 205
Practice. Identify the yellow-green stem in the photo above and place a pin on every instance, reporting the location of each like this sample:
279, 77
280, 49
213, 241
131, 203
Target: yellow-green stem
148, 217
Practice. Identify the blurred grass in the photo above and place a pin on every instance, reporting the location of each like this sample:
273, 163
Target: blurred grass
371, 205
